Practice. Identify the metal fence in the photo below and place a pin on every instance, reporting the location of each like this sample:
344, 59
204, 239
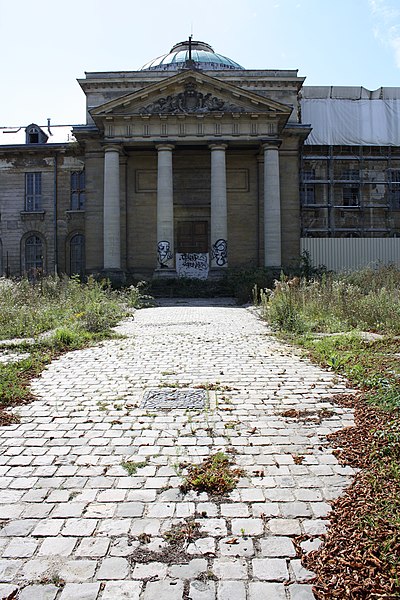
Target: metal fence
340, 254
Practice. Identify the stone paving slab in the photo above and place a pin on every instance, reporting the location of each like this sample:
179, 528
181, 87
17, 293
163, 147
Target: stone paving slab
74, 523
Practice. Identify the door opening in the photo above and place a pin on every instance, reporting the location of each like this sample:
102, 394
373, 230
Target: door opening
192, 236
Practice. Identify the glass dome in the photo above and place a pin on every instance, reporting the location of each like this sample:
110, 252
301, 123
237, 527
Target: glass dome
202, 57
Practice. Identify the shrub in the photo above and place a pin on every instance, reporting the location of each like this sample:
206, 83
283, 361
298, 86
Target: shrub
137, 296
100, 316
64, 337
364, 300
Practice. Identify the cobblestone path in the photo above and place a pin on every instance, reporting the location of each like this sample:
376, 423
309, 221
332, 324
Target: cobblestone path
71, 513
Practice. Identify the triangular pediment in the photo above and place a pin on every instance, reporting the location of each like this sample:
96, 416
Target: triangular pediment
190, 93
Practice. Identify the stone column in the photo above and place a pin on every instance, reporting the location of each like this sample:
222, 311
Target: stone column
111, 224
219, 211
272, 205
165, 207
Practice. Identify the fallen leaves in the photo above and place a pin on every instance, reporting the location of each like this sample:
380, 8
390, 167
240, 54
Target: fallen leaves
360, 556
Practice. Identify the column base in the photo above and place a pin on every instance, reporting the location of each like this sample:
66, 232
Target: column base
117, 277
165, 273
217, 272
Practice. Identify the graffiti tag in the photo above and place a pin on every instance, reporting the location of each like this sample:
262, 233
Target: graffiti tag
192, 264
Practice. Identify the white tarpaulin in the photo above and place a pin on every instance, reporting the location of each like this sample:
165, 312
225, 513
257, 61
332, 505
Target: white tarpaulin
342, 116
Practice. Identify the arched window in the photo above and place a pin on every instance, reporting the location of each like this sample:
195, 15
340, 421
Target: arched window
35, 135
77, 255
33, 254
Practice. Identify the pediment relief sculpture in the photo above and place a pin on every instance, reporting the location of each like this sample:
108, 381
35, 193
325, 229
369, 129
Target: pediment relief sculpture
189, 101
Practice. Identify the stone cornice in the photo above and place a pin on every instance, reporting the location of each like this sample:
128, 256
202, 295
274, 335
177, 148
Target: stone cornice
38, 148
128, 80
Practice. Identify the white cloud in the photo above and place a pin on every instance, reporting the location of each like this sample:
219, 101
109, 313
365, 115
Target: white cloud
387, 25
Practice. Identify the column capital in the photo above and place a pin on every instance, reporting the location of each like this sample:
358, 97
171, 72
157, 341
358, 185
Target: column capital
218, 146
113, 148
271, 143
162, 146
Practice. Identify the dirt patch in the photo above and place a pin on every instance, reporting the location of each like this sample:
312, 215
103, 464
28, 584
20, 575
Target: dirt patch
174, 553
169, 556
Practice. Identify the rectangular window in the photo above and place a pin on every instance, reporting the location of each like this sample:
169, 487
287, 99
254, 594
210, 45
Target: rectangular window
33, 192
308, 174
394, 175
350, 196
308, 194
395, 197
78, 190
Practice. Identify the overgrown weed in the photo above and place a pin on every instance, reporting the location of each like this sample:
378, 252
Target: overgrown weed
367, 300
364, 522
214, 475
75, 314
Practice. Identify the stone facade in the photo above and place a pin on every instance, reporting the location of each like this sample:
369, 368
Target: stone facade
50, 220
189, 161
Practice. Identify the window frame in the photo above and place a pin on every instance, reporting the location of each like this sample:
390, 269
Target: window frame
78, 190
72, 258
353, 193
308, 195
33, 191
37, 264
393, 176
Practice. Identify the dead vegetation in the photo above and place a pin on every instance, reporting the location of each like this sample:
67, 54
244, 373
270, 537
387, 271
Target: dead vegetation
174, 552
308, 415
360, 556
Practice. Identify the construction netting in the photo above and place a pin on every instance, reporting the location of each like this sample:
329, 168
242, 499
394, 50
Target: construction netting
351, 116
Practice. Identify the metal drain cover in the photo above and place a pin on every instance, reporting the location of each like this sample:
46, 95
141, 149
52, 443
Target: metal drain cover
170, 398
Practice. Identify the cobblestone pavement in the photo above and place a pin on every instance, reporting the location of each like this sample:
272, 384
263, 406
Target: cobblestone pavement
70, 512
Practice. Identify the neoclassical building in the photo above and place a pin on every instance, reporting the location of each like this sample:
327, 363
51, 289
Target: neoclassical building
190, 165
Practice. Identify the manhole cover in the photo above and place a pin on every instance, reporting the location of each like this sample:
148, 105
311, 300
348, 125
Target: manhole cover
170, 398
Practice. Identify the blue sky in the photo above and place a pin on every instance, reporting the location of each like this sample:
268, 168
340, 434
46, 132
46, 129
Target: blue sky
48, 44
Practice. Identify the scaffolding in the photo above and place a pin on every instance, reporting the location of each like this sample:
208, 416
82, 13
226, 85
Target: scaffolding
350, 191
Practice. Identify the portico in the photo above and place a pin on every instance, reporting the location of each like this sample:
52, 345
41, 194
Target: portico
164, 252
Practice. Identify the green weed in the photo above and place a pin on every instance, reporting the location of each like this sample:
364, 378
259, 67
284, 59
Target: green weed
77, 314
214, 475
366, 300
131, 467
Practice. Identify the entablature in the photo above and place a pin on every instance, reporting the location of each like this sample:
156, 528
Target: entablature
193, 126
